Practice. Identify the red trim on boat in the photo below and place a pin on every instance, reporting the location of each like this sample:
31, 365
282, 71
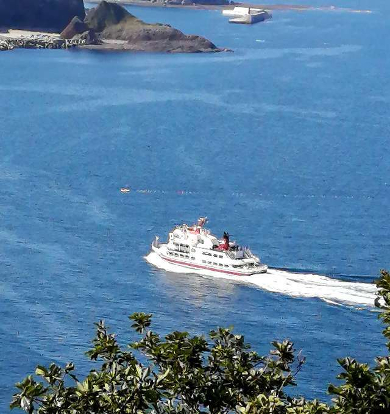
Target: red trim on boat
203, 267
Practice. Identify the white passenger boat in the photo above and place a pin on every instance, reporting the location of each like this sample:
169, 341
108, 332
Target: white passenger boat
246, 15
196, 248
241, 11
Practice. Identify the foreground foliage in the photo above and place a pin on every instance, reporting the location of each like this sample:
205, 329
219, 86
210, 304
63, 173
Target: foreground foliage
181, 373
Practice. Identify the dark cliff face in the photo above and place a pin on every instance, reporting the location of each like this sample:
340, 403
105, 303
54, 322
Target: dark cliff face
75, 27
49, 15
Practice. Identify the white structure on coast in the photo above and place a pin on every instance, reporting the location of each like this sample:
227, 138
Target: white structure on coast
246, 15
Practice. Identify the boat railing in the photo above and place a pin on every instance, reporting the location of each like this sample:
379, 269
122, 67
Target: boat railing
230, 254
248, 254
235, 254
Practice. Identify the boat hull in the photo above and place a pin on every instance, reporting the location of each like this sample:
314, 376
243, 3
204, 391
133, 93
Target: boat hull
246, 15
249, 18
180, 265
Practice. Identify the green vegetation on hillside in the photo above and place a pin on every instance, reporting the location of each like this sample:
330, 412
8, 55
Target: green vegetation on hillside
181, 373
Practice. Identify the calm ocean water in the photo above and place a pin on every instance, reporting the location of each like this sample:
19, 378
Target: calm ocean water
284, 143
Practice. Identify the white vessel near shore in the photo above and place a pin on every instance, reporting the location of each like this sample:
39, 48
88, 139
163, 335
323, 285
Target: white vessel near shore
195, 248
246, 15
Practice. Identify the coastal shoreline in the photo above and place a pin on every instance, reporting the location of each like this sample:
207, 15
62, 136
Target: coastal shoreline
27, 39
281, 7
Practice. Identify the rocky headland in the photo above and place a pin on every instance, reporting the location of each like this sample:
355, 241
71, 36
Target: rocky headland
108, 26
118, 28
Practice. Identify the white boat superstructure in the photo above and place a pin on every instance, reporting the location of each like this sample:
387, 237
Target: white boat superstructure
196, 248
246, 15
241, 11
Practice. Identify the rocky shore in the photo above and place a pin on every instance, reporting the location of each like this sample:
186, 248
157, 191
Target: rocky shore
109, 26
24, 39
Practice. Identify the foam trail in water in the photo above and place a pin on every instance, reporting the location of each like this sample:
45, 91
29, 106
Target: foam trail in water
330, 290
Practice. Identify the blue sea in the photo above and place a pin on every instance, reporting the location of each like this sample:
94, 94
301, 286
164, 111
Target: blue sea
284, 143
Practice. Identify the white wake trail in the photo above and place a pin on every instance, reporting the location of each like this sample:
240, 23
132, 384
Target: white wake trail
330, 290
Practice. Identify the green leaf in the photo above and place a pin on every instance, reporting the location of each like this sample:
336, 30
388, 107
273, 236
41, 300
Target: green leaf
41, 371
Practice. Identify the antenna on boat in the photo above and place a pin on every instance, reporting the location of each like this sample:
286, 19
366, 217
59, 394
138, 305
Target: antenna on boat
202, 221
